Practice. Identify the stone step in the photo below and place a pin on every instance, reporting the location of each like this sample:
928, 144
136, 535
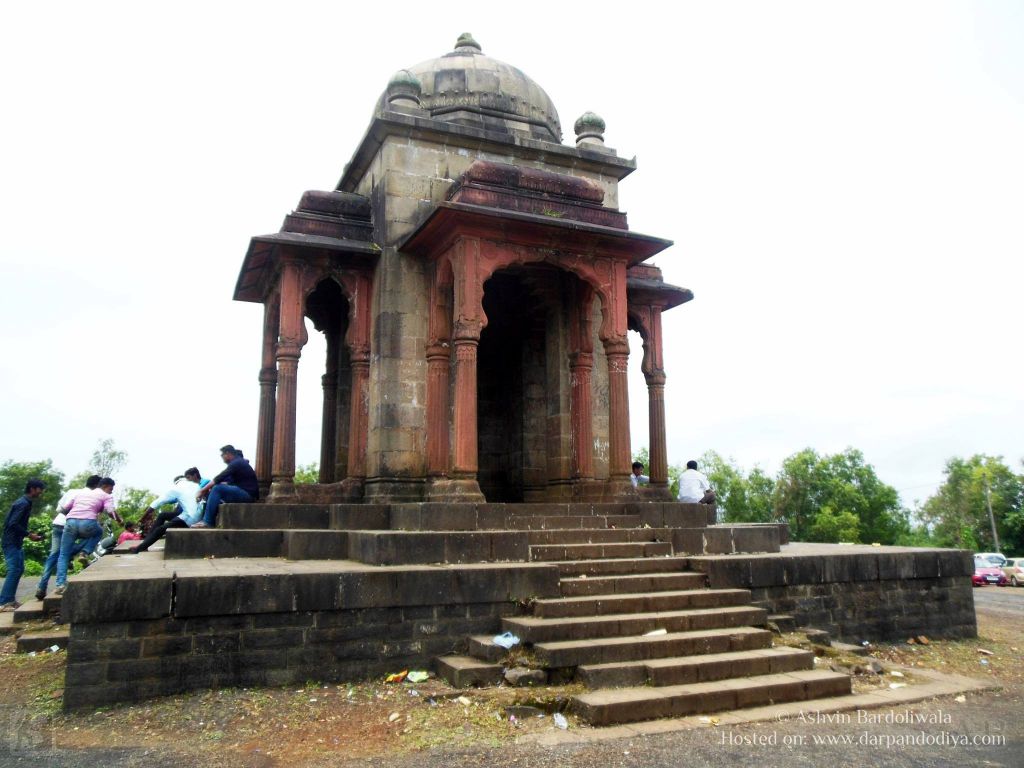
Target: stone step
598, 535
575, 586
305, 516
556, 552
573, 653
7, 625
466, 672
542, 523
695, 669
41, 641
30, 610
483, 647
536, 630
630, 705
621, 565
640, 602
51, 604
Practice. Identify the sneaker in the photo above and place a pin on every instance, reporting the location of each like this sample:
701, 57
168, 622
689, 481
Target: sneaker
40, 594
59, 591
9, 607
200, 524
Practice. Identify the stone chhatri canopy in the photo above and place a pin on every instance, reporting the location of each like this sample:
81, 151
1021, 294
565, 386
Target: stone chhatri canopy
475, 282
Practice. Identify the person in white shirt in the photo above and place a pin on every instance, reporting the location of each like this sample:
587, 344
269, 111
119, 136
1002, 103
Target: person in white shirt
694, 486
186, 513
638, 477
57, 532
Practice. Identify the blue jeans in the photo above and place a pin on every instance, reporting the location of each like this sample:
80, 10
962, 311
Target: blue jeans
15, 560
73, 531
218, 495
50, 566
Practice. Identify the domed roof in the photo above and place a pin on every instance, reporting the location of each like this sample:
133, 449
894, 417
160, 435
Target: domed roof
468, 88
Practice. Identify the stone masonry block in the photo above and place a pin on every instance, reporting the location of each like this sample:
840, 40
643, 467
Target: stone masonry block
99, 600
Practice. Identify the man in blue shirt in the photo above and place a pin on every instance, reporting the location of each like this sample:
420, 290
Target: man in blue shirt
237, 483
186, 513
15, 531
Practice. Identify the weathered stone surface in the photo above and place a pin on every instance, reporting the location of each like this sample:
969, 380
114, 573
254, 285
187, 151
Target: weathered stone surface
523, 676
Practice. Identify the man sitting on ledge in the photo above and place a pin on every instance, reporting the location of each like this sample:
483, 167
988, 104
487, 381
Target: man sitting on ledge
185, 514
694, 486
237, 483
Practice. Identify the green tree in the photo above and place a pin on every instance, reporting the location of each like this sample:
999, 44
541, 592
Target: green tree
957, 514
843, 483
307, 474
740, 498
831, 526
106, 460
132, 503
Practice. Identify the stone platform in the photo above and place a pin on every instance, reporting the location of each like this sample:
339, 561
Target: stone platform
289, 593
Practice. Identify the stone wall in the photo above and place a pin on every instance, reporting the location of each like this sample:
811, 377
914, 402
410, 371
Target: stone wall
857, 593
131, 660
151, 626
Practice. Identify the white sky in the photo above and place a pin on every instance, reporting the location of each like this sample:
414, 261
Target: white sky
844, 183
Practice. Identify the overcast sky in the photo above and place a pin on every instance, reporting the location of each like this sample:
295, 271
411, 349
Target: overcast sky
844, 183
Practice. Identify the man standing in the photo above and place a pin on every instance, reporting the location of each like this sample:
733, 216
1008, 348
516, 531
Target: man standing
81, 524
694, 486
185, 514
57, 532
236, 483
638, 477
15, 531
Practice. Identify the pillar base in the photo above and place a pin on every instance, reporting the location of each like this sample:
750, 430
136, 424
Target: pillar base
281, 491
384, 490
655, 492
352, 489
463, 490
620, 490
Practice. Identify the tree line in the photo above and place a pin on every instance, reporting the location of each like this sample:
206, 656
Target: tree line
840, 498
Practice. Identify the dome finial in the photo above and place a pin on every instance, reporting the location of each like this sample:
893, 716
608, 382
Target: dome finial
466, 41
589, 129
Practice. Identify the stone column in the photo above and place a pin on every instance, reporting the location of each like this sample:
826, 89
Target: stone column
656, 418
268, 393
289, 349
343, 414
438, 368
465, 460
617, 352
328, 426
359, 361
581, 365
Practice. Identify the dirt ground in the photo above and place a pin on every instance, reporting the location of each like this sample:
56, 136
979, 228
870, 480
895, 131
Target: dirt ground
372, 723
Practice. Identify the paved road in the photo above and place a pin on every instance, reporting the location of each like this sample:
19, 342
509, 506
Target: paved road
1001, 601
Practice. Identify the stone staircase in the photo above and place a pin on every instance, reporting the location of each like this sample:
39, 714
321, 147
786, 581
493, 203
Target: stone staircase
33, 612
642, 631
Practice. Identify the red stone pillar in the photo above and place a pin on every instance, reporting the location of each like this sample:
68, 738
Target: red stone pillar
289, 349
581, 366
465, 460
268, 394
360, 414
438, 368
617, 352
328, 427
656, 424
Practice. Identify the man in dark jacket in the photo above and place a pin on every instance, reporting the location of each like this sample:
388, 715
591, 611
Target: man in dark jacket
237, 483
15, 531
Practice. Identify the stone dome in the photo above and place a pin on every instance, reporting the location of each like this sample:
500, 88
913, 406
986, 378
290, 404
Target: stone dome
466, 87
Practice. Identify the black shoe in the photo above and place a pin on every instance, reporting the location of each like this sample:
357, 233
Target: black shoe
40, 594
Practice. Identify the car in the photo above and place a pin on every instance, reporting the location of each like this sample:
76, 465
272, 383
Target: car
995, 558
986, 573
1014, 571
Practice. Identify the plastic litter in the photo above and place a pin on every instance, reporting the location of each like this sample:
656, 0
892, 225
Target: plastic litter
414, 693
397, 677
393, 716
417, 676
560, 721
984, 661
894, 673
986, 652
960, 699
506, 640
655, 632
894, 686
464, 701
53, 648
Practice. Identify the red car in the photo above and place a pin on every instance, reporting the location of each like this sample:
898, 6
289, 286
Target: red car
986, 573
